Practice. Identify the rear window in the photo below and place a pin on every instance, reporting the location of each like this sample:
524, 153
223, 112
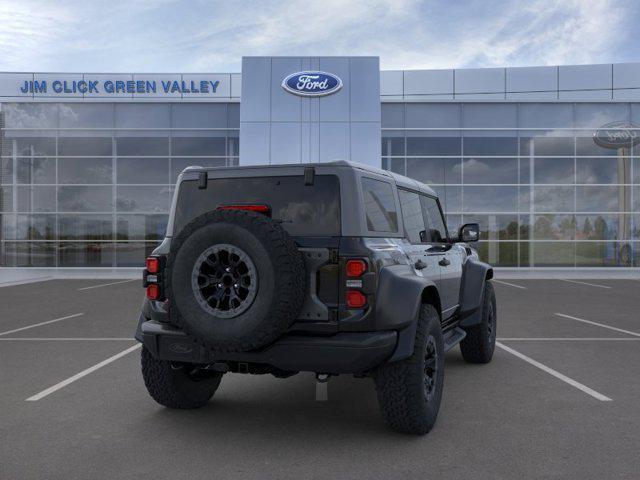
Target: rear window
379, 206
311, 210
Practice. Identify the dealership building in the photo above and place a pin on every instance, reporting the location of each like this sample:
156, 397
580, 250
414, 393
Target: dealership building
545, 159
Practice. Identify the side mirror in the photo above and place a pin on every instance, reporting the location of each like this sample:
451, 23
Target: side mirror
469, 232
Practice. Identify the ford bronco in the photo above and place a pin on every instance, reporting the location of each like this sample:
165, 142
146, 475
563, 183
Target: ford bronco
332, 268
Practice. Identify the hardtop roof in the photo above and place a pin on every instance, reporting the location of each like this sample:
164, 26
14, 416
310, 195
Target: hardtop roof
400, 180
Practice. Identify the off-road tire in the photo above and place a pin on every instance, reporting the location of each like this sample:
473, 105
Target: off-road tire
170, 383
281, 280
401, 385
480, 342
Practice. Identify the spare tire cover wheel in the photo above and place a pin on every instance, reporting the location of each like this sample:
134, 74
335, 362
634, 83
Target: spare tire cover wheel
236, 280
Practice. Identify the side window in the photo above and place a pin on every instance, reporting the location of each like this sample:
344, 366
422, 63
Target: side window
412, 215
379, 206
437, 232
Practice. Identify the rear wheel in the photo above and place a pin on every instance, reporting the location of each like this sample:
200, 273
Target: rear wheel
410, 390
178, 385
480, 342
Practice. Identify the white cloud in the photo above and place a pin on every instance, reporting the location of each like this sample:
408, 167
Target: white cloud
213, 36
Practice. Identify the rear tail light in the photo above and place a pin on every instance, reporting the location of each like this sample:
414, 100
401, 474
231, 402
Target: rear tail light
152, 277
356, 268
356, 299
153, 291
251, 208
153, 265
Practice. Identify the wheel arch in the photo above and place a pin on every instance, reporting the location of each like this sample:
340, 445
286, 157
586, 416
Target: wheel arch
475, 274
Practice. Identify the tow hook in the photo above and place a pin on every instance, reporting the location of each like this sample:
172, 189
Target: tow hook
322, 382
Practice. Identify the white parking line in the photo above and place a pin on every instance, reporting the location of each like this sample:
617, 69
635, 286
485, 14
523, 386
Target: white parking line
558, 375
584, 283
107, 284
616, 329
560, 339
510, 284
41, 323
78, 376
80, 339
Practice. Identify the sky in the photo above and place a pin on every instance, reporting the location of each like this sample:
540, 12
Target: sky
212, 36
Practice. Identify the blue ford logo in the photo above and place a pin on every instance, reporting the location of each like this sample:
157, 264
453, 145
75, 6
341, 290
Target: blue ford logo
312, 84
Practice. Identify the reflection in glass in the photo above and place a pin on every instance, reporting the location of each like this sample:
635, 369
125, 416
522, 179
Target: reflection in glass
604, 254
554, 227
35, 227
603, 227
435, 170
495, 227
85, 170
141, 227
392, 144
603, 170
33, 254
85, 227
545, 144
36, 170
85, 254
553, 199
199, 146
142, 146
552, 254
142, 170
36, 199
490, 199
133, 254
603, 198
554, 170
144, 199
420, 145
85, 146
504, 254
490, 170
85, 199
490, 145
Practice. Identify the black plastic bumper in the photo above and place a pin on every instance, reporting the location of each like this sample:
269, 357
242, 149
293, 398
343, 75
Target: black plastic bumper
346, 352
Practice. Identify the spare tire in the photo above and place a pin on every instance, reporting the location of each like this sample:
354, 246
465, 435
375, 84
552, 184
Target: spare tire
235, 279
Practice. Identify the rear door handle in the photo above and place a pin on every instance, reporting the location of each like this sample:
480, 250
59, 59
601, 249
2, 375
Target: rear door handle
444, 262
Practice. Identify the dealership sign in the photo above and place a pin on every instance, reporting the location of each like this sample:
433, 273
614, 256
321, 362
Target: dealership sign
312, 84
89, 86
617, 135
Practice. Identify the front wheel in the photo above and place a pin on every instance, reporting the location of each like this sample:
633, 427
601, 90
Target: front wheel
410, 390
178, 385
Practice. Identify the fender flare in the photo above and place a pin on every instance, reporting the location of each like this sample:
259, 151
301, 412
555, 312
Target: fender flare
474, 276
399, 297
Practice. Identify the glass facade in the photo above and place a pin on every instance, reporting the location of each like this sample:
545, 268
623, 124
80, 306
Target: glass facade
90, 184
544, 193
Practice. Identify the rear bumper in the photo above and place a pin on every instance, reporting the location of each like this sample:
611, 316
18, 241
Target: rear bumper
345, 352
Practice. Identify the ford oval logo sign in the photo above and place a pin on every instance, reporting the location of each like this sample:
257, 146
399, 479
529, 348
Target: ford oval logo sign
312, 84
617, 135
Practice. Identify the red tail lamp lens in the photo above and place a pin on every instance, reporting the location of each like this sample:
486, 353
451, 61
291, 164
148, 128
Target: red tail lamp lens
153, 292
355, 299
153, 265
251, 208
355, 268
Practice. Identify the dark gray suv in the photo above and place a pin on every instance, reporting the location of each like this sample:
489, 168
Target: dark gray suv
333, 268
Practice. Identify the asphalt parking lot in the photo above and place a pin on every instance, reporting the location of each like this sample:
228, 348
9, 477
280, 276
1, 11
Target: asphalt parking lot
559, 400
